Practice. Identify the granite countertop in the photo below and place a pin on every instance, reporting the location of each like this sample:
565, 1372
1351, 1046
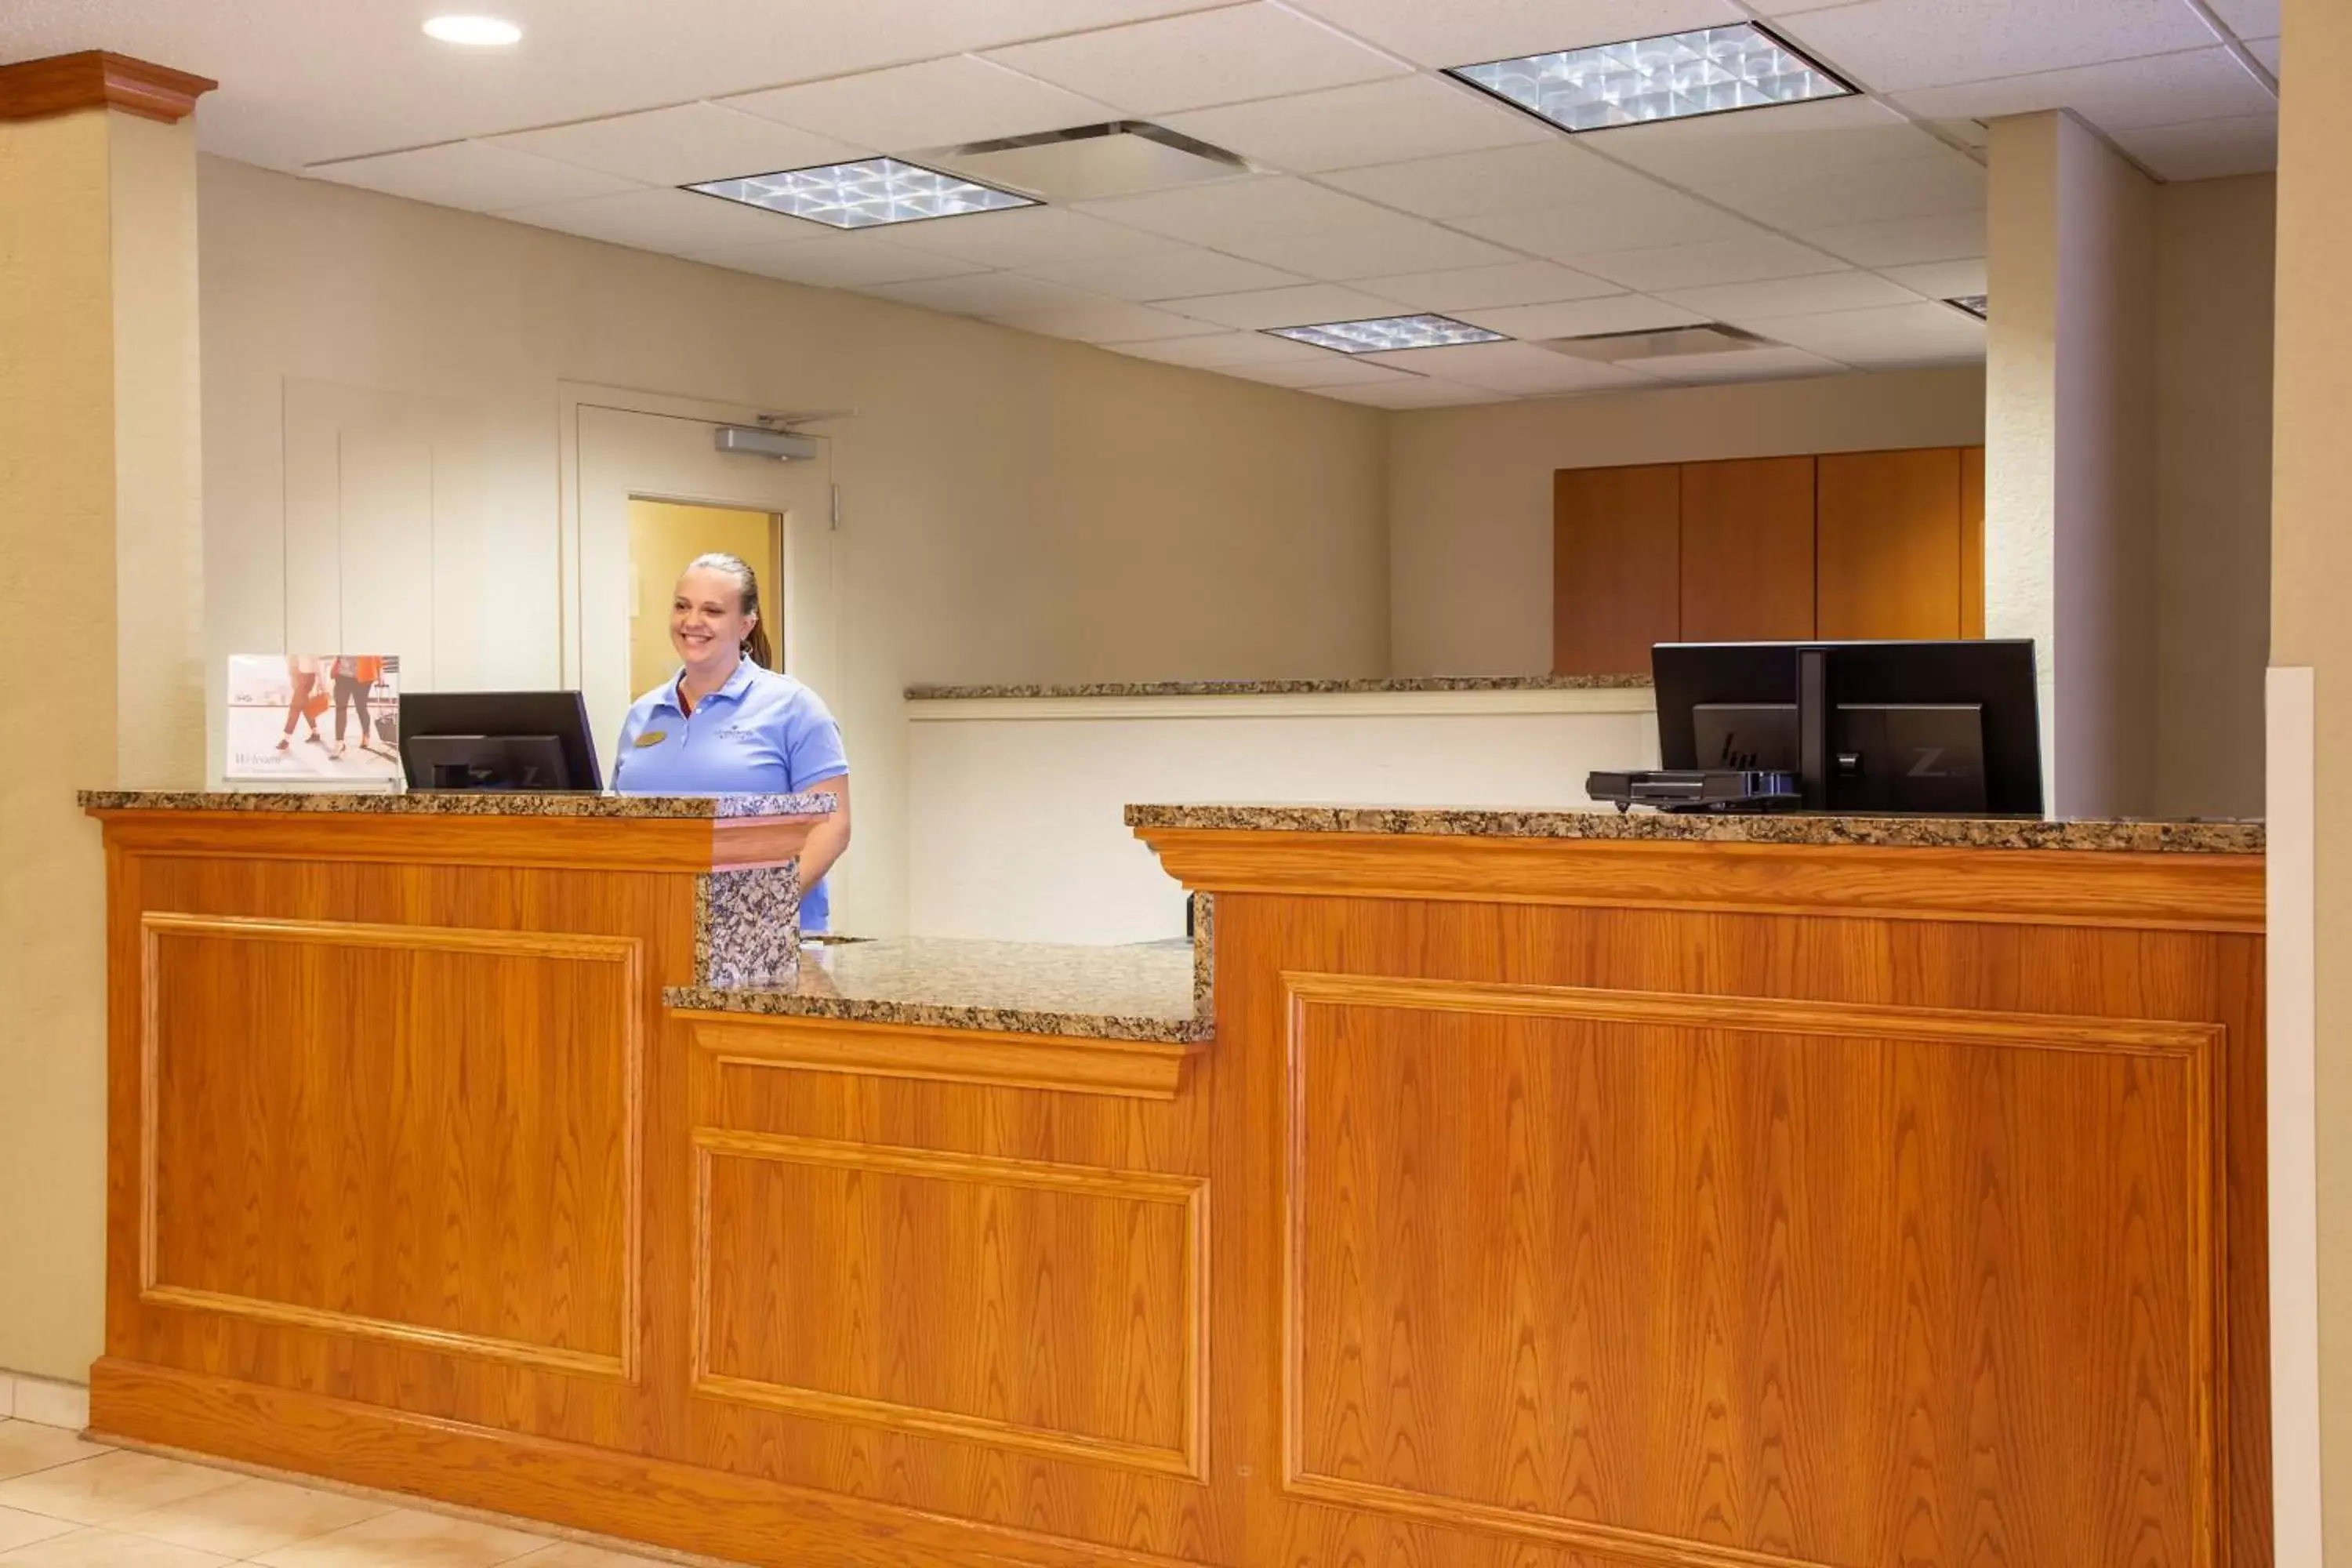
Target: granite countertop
1287, 687
458, 803
1142, 991
2212, 837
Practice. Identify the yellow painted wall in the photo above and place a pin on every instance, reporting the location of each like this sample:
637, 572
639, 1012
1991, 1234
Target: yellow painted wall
662, 537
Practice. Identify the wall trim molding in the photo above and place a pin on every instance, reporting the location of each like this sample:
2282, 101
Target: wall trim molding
96, 79
1286, 705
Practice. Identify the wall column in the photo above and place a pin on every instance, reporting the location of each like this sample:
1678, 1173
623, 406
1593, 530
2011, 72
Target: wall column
102, 607
2070, 429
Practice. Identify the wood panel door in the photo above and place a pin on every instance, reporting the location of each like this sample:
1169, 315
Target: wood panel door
1747, 549
1972, 532
1888, 540
1616, 567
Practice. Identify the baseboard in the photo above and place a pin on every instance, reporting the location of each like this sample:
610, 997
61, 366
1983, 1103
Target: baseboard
662, 1502
44, 1400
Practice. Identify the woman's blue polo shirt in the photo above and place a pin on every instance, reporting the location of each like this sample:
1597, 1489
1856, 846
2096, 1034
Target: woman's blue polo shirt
760, 733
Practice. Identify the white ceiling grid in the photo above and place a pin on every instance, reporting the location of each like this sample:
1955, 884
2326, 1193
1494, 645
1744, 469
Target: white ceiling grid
1377, 185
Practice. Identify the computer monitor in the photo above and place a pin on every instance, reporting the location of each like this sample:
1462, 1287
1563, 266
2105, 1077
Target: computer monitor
496, 740
1951, 729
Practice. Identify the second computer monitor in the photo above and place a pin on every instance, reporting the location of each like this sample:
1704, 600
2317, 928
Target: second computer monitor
496, 740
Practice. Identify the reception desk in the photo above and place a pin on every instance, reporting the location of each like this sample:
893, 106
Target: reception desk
1482, 1191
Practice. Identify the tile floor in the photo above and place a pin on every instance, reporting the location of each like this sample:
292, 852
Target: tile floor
67, 1503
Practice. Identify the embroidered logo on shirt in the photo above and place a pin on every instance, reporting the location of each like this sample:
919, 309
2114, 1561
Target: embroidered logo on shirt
652, 738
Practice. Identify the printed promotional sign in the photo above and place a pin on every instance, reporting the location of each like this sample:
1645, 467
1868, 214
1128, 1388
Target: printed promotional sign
319, 719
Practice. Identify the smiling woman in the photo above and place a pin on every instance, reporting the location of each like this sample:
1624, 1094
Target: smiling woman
728, 724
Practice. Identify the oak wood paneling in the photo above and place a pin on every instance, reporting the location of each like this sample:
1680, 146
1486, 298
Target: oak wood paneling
1888, 543
679, 844
1144, 1070
1616, 566
1747, 549
1022, 1304
1972, 541
1765, 1285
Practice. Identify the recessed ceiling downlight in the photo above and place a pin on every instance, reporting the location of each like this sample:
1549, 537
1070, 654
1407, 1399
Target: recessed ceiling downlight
475, 32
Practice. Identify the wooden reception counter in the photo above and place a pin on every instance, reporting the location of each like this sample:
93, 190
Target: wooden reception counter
1532, 1192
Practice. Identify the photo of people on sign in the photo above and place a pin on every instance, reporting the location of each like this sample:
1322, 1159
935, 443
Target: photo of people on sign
322, 719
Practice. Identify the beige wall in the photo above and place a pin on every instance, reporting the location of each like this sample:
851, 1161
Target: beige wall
2311, 562
99, 605
1014, 508
1470, 489
2215, 256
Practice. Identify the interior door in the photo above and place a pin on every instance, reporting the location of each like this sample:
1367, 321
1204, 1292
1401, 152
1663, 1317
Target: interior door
1889, 540
624, 455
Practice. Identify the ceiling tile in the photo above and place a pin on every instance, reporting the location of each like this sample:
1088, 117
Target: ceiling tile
1307, 305
1944, 180
1511, 367
1413, 391
682, 146
1240, 210
1209, 58
1549, 174
1716, 152
1171, 274
475, 175
1468, 32
1737, 364
2250, 19
1945, 238
1222, 349
1889, 45
2267, 51
1026, 236
1942, 280
1742, 303
1583, 318
1373, 123
1466, 289
678, 222
1355, 252
836, 261
935, 104
2124, 95
1890, 335
988, 294
1746, 260
2205, 149
1638, 222
1108, 321
1333, 370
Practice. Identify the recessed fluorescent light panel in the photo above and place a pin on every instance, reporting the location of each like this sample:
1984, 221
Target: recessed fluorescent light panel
1387, 333
1712, 71
473, 32
1974, 304
864, 195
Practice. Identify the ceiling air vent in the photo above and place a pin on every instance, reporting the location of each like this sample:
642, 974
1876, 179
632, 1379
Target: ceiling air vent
1615, 348
1085, 162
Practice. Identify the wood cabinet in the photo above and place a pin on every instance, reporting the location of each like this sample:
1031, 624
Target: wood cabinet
1747, 549
1839, 545
1616, 566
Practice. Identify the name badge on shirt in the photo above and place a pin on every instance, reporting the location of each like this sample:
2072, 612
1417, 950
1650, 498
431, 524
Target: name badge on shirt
652, 738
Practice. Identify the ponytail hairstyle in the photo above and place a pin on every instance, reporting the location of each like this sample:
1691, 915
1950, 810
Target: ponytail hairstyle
756, 646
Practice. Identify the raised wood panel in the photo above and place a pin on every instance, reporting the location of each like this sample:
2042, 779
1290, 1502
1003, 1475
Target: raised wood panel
2048, 887
1616, 566
1140, 1070
548, 843
1888, 542
1972, 542
426, 1135
1022, 1304
1747, 549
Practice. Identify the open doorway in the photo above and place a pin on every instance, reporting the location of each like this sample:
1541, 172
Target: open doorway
663, 535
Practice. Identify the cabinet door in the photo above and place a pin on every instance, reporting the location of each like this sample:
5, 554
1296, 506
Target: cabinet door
1616, 563
1972, 522
1747, 549
1887, 535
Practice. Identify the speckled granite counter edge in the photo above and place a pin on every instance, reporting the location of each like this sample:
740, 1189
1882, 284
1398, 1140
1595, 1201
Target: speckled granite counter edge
1284, 687
940, 1015
450, 802
1890, 832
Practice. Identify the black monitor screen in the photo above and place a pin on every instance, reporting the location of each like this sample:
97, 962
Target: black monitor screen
1949, 728
498, 740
